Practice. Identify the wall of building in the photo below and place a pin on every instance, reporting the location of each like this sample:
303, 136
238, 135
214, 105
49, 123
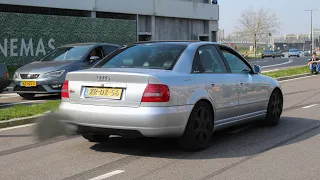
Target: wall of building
26, 37
168, 8
179, 29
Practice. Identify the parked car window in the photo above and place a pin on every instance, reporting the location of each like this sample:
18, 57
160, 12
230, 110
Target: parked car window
209, 59
67, 53
108, 49
149, 56
235, 63
97, 52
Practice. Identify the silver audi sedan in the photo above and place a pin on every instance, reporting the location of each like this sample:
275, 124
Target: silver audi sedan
184, 90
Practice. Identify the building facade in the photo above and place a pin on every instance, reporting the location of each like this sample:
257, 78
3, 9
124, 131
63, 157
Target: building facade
32, 28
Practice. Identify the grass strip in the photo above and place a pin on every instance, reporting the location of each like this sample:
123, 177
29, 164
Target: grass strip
19, 111
288, 72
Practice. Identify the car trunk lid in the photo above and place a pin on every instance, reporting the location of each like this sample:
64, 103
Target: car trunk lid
108, 87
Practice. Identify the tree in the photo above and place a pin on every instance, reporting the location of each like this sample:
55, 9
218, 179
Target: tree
256, 24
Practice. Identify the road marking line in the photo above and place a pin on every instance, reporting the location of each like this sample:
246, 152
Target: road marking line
306, 107
270, 70
16, 127
9, 94
107, 175
25, 102
290, 61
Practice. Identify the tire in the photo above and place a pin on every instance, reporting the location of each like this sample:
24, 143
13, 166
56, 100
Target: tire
95, 138
27, 96
197, 136
275, 107
273, 57
298, 56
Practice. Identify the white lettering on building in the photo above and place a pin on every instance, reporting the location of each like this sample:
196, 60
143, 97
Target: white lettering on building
4, 48
13, 47
40, 48
24, 47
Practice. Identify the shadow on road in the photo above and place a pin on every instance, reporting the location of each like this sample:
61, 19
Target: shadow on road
47, 97
250, 140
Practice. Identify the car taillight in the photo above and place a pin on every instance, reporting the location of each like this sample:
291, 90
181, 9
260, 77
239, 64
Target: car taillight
65, 89
7, 75
156, 93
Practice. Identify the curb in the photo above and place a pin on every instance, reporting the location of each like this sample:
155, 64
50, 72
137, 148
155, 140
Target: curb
294, 76
32, 119
20, 121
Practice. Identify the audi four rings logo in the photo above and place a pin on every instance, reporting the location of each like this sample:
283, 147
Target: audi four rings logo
103, 78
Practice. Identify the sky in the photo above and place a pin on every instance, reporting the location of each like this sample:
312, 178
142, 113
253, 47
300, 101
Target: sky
291, 14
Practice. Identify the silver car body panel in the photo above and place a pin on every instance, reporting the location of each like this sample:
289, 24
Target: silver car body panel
235, 98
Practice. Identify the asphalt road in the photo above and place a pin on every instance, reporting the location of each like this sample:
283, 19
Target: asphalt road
289, 151
270, 64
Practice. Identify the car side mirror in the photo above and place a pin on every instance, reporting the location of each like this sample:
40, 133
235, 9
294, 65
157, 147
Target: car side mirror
94, 58
256, 69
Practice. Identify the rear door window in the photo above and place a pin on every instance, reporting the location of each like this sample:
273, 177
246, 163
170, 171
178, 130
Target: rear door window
208, 60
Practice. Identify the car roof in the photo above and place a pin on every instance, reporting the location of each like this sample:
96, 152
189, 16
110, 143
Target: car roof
88, 44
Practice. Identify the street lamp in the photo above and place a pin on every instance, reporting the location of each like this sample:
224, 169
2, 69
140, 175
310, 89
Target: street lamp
311, 10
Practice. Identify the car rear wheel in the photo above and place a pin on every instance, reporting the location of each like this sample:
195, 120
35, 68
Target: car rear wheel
28, 96
274, 110
199, 129
95, 138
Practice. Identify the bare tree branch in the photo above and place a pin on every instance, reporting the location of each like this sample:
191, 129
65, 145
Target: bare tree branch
256, 24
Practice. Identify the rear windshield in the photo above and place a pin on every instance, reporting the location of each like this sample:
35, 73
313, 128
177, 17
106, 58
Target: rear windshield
149, 56
67, 53
293, 50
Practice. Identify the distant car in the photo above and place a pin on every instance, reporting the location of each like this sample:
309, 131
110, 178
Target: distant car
46, 76
307, 53
294, 52
184, 90
268, 53
279, 54
4, 77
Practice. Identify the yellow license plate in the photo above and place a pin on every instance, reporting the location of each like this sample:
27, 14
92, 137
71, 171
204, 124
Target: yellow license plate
109, 93
28, 83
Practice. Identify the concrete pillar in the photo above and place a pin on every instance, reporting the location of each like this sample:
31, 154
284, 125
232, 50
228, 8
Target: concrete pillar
153, 28
93, 14
137, 26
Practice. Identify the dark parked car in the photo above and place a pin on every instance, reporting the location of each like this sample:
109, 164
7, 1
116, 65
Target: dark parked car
4, 77
46, 76
279, 54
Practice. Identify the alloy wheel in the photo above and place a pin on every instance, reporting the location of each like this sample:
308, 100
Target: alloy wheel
202, 125
276, 106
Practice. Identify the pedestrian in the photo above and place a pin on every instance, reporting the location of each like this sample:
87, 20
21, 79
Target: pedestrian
314, 63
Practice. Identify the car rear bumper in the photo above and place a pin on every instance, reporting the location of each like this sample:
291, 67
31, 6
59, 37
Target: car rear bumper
44, 86
147, 121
